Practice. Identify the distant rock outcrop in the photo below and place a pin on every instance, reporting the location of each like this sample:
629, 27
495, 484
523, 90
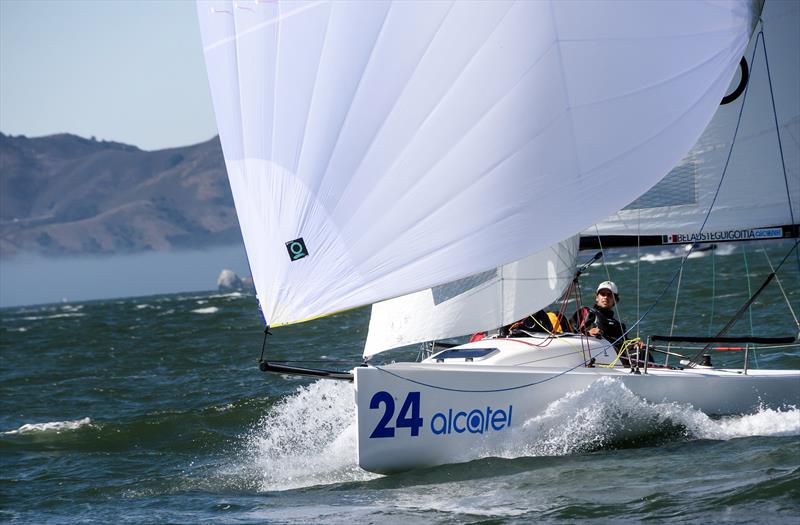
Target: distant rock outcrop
228, 281
66, 195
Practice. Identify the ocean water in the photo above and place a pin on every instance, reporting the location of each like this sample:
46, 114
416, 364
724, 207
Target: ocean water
152, 410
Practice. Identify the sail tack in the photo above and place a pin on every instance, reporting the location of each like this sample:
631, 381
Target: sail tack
379, 148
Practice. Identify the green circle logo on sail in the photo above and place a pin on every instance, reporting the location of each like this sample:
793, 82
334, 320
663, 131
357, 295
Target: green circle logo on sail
297, 249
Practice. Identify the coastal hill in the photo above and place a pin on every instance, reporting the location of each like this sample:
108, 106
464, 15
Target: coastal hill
67, 195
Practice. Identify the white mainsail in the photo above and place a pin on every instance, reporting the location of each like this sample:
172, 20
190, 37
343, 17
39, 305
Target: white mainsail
754, 194
360, 136
480, 302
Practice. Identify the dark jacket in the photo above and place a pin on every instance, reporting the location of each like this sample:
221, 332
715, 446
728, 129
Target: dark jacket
603, 318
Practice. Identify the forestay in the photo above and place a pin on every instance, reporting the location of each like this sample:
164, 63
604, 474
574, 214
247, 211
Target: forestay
359, 137
480, 302
754, 196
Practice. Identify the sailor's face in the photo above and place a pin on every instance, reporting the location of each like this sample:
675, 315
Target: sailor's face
605, 298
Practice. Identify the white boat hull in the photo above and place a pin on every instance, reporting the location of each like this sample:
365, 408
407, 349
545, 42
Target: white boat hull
414, 415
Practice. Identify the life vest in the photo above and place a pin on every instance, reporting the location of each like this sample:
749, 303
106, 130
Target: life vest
477, 337
542, 322
555, 322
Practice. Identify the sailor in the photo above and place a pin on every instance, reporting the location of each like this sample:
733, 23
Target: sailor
599, 321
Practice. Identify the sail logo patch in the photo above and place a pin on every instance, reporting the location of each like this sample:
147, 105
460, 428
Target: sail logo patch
297, 249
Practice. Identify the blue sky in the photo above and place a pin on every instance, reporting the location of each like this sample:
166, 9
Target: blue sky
127, 71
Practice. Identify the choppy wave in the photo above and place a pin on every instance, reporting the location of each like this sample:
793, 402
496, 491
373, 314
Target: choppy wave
72, 307
51, 426
766, 422
666, 255
308, 438
54, 316
207, 310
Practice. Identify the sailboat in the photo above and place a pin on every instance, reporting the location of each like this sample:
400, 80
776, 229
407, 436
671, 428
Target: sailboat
447, 155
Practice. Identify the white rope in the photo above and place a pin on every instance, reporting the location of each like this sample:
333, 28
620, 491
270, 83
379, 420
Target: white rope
674, 311
638, 262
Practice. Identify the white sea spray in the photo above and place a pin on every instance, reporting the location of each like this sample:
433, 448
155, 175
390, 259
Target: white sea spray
607, 412
308, 438
207, 310
51, 426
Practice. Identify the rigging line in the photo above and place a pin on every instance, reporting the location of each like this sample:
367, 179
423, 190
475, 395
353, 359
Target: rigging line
675, 309
502, 295
778, 132
468, 390
778, 281
578, 308
713, 289
284, 361
755, 357
711, 206
749, 287
730, 349
750, 301
638, 262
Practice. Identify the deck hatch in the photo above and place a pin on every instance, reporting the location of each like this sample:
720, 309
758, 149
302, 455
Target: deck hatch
464, 353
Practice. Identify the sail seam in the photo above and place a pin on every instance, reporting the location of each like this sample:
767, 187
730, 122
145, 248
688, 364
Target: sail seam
438, 104
313, 191
395, 102
346, 118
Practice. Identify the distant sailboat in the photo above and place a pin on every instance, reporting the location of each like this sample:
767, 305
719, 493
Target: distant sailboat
386, 148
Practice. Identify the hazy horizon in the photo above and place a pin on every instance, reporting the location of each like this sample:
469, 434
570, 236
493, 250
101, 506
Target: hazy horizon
29, 279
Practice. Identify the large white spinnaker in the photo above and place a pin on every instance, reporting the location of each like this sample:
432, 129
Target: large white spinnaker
359, 136
754, 196
480, 302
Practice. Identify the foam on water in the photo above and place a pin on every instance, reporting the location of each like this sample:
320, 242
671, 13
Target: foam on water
72, 307
766, 422
207, 310
607, 413
54, 316
52, 426
308, 438
666, 255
